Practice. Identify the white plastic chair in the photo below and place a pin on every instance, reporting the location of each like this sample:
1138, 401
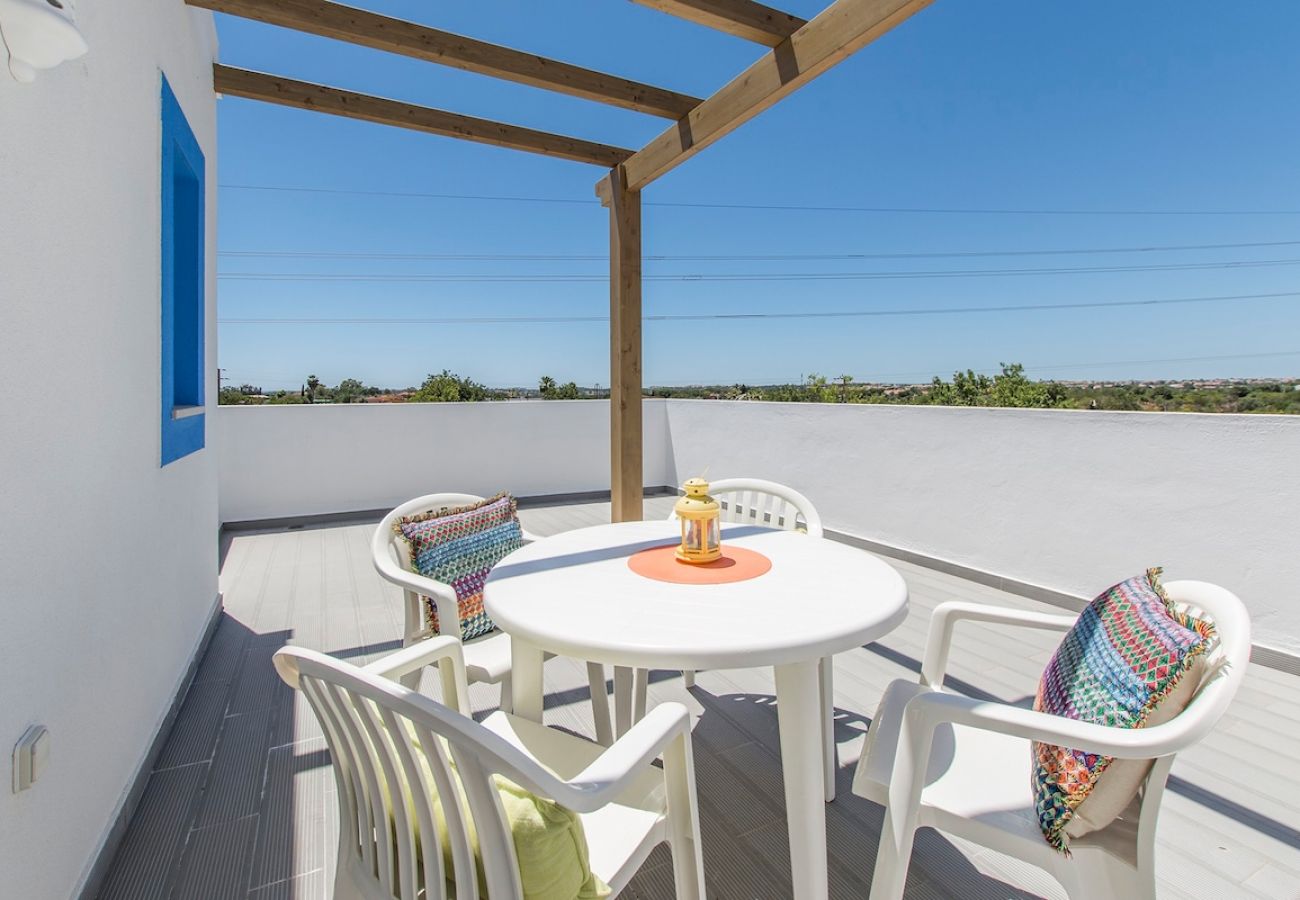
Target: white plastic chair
487, 657
391, 764
752, 501
977, 782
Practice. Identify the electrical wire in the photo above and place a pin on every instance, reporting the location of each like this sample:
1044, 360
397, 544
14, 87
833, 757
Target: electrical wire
779, 207
745, 257
884, 376
543, 278
695, 317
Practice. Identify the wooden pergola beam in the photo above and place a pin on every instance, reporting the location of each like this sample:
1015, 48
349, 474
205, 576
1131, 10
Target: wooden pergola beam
742, 18
841, 30
379, 32
625, 441
318, 97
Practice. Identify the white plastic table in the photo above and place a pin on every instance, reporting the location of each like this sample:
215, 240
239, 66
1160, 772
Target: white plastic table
574, 595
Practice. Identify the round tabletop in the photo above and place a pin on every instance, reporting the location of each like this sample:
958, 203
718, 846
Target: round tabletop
573, 594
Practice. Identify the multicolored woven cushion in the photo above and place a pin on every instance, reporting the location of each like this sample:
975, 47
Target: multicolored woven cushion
459, 547
1121, 660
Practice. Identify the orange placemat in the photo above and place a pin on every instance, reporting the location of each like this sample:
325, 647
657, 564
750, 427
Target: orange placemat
662, 564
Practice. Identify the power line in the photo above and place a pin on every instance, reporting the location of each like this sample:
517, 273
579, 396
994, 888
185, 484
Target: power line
748, 257
881, 376
838, 314
1099, 365
544, 278
778, 207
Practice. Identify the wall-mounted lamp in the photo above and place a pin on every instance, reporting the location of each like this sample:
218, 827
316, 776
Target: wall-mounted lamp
39, 34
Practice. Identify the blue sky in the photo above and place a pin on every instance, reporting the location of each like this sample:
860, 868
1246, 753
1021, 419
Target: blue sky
1111, 108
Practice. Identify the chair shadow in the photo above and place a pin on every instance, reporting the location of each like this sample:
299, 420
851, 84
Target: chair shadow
853, 823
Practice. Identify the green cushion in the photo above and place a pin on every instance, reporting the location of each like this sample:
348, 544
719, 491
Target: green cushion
549, 842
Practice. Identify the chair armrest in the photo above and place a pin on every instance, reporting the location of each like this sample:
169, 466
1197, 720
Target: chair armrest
627, 758
928, 710
443, 595
947, 615
442, 650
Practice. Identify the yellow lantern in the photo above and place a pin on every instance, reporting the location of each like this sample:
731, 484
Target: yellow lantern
699, 515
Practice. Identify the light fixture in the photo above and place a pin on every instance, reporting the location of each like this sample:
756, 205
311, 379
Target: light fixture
39, 34
699, 515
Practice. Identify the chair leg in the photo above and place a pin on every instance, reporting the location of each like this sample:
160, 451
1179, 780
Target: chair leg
890, 874
1093, 874
600, 703
688, 678
684, 820
447, 679
829, 766
507, 702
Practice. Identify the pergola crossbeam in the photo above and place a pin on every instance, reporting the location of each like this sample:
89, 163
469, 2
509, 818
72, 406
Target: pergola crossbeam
379, 32
741, 18
838, 32
318, 97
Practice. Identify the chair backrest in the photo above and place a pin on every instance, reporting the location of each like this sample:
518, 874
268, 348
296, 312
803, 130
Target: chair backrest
1225, 662
754, 501
385, 538
1225, 667
384, 544
395, 753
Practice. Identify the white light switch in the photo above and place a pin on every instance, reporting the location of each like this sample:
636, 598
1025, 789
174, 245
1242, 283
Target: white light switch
31, 754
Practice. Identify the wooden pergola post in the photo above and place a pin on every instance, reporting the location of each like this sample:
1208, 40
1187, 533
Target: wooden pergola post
624, 346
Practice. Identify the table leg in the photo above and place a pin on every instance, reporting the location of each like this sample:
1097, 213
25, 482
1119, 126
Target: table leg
799, 714
831, 768
623, 690
526, 679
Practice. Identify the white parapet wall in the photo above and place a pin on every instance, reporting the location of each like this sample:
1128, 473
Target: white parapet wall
285, 461
108, 562
1068, 500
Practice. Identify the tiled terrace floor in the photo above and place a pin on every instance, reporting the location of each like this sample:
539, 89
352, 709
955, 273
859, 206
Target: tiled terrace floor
242, 801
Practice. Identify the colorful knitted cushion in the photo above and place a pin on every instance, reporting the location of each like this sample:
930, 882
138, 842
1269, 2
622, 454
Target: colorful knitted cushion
1122, 665
459, 547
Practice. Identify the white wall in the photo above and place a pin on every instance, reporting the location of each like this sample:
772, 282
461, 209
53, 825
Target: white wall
305, 460
1070, 500
107, 562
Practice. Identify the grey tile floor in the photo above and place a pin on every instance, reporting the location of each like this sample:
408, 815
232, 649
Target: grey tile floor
241, 803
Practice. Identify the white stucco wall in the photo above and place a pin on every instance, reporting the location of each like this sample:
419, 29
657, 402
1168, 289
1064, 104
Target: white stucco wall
107, 561
1070, 500
306, 460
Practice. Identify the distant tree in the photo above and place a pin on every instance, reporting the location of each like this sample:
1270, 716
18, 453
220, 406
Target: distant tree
552, 391
447, 387
287, 397
845, 381
818, 390
349, 390
1009, 388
